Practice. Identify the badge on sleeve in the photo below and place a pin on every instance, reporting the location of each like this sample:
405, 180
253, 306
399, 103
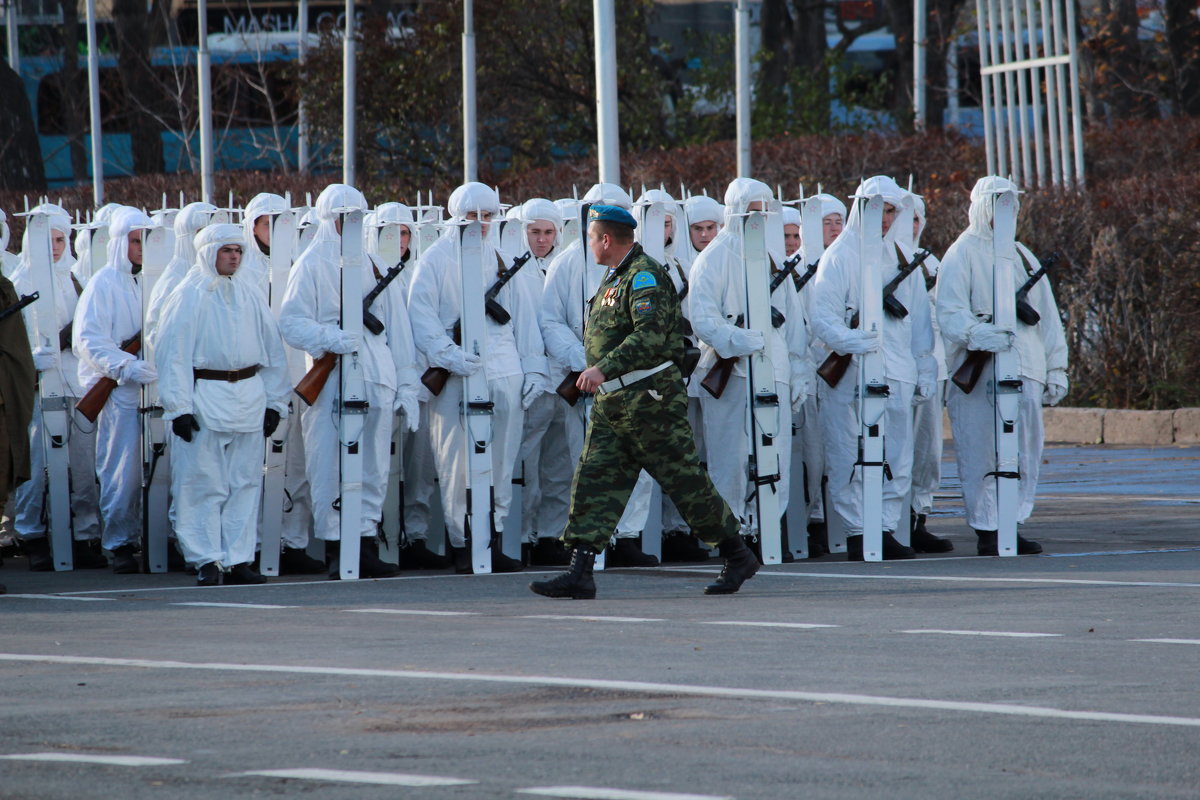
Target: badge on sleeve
643, 307
644, 280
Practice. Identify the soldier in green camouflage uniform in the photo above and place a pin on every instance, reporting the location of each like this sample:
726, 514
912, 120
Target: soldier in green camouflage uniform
634, 346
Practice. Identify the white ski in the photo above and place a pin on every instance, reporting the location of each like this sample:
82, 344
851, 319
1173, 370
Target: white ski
1005, 386
872, 381
156, 475
283, 242
477, 405
762, 407
51, 396
352, 398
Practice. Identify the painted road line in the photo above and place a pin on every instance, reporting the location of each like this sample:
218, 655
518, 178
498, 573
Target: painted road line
644, 687
965, 578
58, 597
414, 612
598, 793
352, 776
583, 618
1168, 641
232, 605
1012, 634
88, 758
1122, 552
798, 625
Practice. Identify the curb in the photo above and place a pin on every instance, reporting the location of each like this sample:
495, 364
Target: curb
1116, 426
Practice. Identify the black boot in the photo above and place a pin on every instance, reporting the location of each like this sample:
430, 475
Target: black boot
925, 542
549, 553
627, 552
461, 556
416, 555
576, 583
682, 547
892, 549
740, 566
818, 539
209, 574
501, 562
175, 561
124, 562
86, 554
243, 575
297, 561
38, 552
370, 565
989, 546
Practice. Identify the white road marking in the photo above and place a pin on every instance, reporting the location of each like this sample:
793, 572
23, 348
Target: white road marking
1007, 709
353, 776
584, 618
88, 758
1122, 552
800, 625
1168, 641
415, 612
598, 793
233, 605
1012, 634
964, 578
59, 597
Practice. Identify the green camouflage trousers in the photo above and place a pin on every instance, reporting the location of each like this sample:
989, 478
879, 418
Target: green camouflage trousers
632, 430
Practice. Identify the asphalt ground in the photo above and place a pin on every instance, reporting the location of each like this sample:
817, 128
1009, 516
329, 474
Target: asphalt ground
1067, 675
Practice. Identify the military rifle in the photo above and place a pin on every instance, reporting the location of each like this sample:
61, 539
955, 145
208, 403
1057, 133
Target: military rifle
92, 403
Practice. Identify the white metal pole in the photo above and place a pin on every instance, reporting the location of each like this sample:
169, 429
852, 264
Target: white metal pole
1060, 77
1039, 142
1019, 131
952, 107
919, 68
301, 116
204, 81
470, 138
14, 43
93, 62
741, 32
1076, 104
1010, 89
989, 133
998, 99
348, 97
608, 142
1051, 95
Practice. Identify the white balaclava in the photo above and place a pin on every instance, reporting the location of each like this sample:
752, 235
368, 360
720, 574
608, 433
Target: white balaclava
791, 216
477, 197
264, 203
983, 204
335, 198
741, 193
608, 194
891, 193
385, 215
568, 208
207, 243
190, 219
831, 205
674, 211
539, 208
124, 220
60, 220
702, 208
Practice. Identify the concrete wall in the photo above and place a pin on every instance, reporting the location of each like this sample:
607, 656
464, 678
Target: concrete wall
1117, 426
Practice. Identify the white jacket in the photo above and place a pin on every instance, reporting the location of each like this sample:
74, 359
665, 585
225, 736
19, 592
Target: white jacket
562, 306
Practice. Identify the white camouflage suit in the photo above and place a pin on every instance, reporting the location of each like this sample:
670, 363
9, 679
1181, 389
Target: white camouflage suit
716, 300
219, 323
309, 321
516, 366
964, 309
907, 346
108, 314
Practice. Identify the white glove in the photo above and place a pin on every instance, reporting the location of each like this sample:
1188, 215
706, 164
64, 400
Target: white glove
534, 387
137, 371
45, 359
989, 337
578, 360
407, 403
1056, 387
860, 343
345, 343
799, 393
743, 342
463, 363
923, 393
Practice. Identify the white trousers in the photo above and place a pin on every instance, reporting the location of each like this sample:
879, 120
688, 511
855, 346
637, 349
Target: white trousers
322, 456
840, 424
217, 486
30, 518
449, 439
297, 503
728, 443
119, 470
971, 421
637, 508
420, 471
927, 450
547, 469
808, 450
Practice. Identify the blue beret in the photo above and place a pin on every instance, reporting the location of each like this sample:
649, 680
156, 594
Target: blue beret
611, 214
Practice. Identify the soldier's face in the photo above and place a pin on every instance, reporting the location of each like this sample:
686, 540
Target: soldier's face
669, 230
135, 247
889, 216
229, 257
262, 230
483, 216
831, 227
916, 227
597, 243
58, 244
540, 234
791, 238
405, 239
702, 233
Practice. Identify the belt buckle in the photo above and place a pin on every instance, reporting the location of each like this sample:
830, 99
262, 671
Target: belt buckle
231, 376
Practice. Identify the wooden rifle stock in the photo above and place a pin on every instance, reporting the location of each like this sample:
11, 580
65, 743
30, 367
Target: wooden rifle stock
434, 379
718, 374
835, 364
968, 373
314, 380
92, 403
568, 390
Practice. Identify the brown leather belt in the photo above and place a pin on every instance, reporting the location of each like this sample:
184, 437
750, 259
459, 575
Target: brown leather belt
227, 375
